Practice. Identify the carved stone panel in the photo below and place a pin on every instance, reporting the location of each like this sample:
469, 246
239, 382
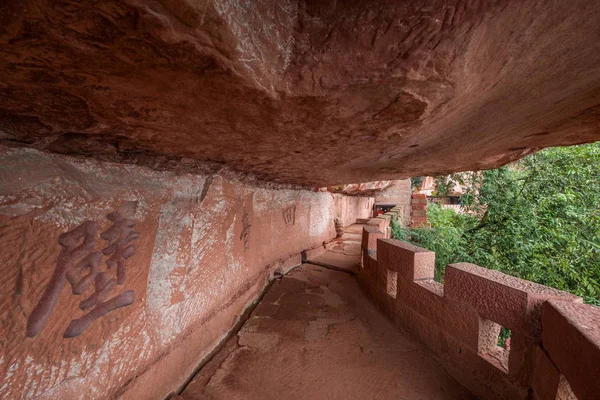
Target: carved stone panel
80, 266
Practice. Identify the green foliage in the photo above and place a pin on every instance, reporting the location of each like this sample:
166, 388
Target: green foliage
537, 219
399, 232
445, 184
504, 334
416, 181
446, 239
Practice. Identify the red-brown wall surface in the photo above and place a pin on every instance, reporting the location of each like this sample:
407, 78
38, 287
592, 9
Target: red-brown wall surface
207, 246
349, 208
399, 193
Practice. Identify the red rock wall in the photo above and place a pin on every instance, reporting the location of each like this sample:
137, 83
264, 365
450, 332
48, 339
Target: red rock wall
350, 208
206, 247
554, 349
312, 93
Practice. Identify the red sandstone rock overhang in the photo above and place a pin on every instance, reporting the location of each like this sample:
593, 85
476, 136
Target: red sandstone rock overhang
311, 93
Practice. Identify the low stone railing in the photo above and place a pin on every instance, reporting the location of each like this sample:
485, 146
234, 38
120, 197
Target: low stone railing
554, 348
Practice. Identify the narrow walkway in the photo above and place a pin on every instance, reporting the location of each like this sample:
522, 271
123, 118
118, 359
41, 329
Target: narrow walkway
344, 252
315, 335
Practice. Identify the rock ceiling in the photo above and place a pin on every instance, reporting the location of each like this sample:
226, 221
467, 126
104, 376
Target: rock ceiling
311, 92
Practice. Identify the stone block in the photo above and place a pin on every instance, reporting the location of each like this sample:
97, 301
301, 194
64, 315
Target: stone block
381, 224
521, 361
512, 302
546, 377
411, 262
418, 213
462, 323
366, 259
370, 286
484, 379
424, 296
370, 235
374, 272
418, 199
571, 337
371, 262
424, 330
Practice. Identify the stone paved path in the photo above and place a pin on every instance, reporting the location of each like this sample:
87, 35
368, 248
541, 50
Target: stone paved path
315, 335
343, 253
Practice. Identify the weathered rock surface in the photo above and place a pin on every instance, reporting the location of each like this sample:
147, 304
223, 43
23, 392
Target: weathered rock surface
348, 208
312, 93
205, 248
360, 189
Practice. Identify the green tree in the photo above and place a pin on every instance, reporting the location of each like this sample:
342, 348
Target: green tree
537, 219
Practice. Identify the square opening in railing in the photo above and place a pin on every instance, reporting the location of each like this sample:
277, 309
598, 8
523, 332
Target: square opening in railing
392, 283
494, 343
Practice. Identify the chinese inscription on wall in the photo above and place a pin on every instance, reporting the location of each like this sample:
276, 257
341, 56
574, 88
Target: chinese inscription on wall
81, 267
289, 215
245, 235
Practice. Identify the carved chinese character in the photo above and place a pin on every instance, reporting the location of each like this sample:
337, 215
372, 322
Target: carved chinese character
76, 243
79, 283
245, 235
119, 237
81, 271
289, 215
103, 286
77, 326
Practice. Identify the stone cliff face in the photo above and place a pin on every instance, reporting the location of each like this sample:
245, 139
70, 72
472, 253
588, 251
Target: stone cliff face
127, 256
313, 93
204, 246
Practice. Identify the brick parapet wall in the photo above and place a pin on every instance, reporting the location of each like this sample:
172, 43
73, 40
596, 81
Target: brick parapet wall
554, 349
418, 210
